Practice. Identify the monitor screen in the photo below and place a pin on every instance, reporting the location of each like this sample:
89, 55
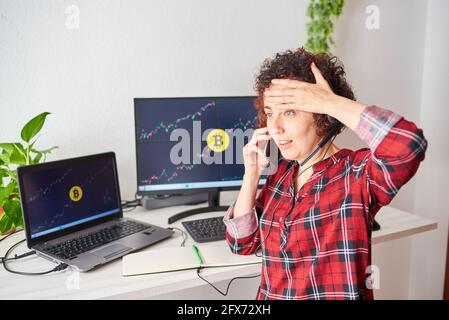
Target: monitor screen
187, 144
68, 193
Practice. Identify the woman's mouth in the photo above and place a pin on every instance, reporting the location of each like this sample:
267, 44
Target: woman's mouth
284, 143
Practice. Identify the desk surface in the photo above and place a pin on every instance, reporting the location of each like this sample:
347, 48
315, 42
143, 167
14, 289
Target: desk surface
107, 282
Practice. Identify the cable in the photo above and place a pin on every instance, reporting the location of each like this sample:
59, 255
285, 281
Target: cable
229, 284
308, 158
8, 235
15, 256
323, 141
131, 204
130, 209
59, 267
29, 253
184, 235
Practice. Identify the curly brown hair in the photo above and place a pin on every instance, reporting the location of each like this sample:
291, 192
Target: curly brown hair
296, 65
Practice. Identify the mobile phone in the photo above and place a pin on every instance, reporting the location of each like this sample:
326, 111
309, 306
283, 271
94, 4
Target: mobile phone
267, 149
273, 154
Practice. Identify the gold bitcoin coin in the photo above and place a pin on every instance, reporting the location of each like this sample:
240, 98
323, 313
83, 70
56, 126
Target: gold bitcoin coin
75, 193
218, 140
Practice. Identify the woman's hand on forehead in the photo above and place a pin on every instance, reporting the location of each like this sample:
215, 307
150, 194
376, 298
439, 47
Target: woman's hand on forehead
299, 95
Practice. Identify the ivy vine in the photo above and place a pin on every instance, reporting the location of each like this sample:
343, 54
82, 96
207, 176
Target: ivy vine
320, 25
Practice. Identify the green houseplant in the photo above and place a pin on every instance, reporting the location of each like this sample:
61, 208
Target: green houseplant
13, 155
320, 26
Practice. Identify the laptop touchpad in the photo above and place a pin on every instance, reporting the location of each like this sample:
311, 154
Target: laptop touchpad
110, 251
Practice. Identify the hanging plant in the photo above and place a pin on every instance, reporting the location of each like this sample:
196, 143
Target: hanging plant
320, 26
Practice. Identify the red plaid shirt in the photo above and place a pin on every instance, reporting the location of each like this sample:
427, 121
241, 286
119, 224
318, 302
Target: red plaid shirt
317, 242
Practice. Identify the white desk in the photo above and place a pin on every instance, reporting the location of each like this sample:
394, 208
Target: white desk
106, 282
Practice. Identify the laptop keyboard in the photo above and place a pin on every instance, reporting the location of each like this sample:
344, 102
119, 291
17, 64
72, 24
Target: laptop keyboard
205, 230
72, 248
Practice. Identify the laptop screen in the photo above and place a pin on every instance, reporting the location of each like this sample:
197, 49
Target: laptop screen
68, 193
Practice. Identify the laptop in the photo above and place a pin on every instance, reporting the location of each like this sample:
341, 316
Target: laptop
72, 212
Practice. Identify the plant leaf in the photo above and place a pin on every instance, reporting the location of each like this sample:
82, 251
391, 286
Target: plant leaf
33, 127
5, 192
4, 158
3, 174
37, 158
12, 174
12, 215
5, 223
14, 211
45, 151
18, 156
8, 147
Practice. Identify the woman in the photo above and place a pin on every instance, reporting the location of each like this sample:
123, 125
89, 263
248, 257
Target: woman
313, 221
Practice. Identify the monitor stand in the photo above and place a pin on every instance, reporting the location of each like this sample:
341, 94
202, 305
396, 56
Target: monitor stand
150, 202
214, 205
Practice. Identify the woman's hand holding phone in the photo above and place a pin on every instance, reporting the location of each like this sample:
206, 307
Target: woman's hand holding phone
255, 162
254, 153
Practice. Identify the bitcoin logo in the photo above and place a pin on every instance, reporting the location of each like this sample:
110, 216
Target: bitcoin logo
75, 193
218, 140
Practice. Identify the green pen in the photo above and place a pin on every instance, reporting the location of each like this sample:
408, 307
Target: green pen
197, 254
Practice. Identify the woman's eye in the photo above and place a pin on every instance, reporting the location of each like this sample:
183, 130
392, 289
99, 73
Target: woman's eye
289, 113
268, 115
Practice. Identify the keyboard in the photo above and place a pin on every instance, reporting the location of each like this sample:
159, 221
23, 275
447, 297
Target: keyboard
71, 248
206, 230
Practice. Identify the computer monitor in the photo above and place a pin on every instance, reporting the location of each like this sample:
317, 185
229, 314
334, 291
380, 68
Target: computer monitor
194, 144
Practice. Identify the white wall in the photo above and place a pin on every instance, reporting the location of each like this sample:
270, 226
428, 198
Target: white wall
429, 250
385, 68
124, 49
403, 66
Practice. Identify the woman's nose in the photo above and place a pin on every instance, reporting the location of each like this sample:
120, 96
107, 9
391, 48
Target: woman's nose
276, 126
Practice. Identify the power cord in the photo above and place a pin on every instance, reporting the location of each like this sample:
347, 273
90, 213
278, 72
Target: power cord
10, 234
184, 235
132, 204
59, 267
29, 253
229, 284
2, 259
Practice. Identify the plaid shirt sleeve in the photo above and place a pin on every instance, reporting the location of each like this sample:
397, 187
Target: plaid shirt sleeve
396, 146
242, 233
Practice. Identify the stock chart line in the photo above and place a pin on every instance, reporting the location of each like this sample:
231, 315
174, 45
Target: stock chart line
173, 125
169, 177
249, 124
44, 191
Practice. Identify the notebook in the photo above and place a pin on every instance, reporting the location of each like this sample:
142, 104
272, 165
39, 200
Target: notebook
182, 258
